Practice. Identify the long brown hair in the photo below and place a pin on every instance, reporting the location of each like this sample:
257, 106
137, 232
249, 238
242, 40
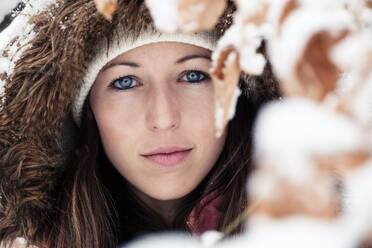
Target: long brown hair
96, 208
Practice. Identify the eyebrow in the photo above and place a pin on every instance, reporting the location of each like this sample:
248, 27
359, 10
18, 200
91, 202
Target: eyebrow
125, 63
195, 56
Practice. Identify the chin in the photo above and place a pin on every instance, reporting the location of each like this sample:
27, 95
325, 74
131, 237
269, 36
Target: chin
168, 195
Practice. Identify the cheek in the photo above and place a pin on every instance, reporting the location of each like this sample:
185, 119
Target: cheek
118, 126
199, 117
200, 123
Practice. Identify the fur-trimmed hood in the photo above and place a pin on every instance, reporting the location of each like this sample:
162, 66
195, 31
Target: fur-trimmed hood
36, 137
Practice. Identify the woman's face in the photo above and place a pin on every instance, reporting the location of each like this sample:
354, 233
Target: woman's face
154, 107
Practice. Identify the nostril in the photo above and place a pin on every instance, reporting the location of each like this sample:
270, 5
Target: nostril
156, 127
163, 113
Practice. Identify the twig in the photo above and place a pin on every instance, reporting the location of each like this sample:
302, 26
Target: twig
240, 218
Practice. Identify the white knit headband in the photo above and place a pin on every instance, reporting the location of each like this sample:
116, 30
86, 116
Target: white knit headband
123, 43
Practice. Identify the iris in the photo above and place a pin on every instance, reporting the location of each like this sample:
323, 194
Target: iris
124, 83
194, 76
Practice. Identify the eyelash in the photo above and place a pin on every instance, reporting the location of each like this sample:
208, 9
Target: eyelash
113, 82
205, 76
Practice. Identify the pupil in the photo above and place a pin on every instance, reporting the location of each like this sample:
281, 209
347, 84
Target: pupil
126, 81
193, 76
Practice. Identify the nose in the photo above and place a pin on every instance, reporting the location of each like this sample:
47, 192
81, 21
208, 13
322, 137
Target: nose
163, 111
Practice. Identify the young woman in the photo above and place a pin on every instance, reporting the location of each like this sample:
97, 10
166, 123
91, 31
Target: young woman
107, 132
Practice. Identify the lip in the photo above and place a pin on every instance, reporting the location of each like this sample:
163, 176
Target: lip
166, 150
168, 156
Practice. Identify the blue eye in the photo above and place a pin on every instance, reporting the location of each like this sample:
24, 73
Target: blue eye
124, 83
194, 76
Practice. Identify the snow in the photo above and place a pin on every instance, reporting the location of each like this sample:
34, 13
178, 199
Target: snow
295, 231
6, 7
187, 16
21, 29
366, 18
360, 103
250, 8
210, 238
361, 13
251, 61
291, 232
165, 15
290, 133
286, 49
246, 39
18, 243
228, 101
358, 73
358, 202
231, 113
163, 240
358, 45
230, 39
219, 118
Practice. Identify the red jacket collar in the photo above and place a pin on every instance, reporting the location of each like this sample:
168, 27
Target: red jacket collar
211, 212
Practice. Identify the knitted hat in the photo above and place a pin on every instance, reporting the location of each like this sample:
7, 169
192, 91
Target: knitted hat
122, 43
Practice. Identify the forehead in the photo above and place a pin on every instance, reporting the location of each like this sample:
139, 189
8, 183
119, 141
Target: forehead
162, 50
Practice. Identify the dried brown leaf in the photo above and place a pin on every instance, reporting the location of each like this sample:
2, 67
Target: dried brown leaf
368, 4
288, 9
260, 17
106, 8
197, 15
225, 80
342, 162
316, 74
315, 199
366, 240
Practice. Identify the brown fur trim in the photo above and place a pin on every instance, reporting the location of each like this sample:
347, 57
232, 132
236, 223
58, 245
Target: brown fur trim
38, 100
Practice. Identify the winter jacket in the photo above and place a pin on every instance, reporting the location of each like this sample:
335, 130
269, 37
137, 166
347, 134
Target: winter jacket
37, 134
